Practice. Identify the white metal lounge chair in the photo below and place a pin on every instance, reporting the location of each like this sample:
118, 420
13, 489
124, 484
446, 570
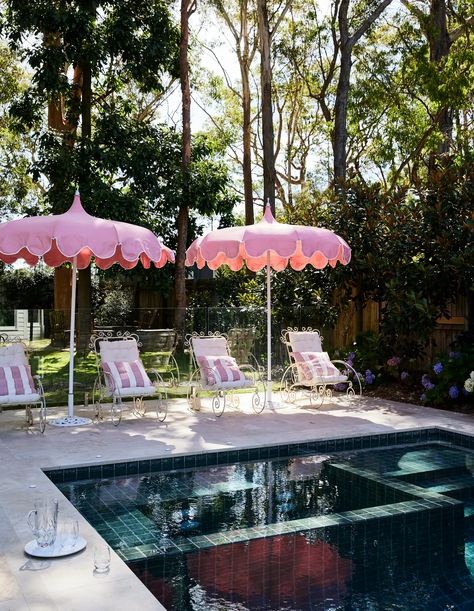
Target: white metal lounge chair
121, 375
218, 374
312, 372
17, 385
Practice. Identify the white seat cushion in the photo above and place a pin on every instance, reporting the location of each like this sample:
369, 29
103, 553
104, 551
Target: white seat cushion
135, 391
209, 346
13, 354
305, 341
19, 399
246, 383
120, 350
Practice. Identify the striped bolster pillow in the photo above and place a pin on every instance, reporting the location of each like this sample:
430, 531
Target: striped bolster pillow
315, 364
16, 380
218, 369
125, 374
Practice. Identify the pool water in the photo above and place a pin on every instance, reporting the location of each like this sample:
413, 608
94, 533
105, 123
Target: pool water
389, 528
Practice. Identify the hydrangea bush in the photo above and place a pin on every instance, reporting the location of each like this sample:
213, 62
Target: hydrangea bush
449, 379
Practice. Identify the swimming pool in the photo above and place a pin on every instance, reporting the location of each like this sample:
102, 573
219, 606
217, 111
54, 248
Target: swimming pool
359, 523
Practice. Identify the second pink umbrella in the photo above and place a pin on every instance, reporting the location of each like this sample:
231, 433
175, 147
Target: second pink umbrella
75, 237
272, 245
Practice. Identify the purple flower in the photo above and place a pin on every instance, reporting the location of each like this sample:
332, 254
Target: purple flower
341, 387
394, 361
423, 397
429, 386
454, 355
369, 377
454, 392
438, 368
426, 382
404, 375
350, 362
352, 355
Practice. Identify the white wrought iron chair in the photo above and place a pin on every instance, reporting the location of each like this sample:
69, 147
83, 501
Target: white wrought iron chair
216, 373
17, 385
121, 375
311, 371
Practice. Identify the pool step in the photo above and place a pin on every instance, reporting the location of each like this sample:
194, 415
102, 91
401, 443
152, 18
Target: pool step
434, 473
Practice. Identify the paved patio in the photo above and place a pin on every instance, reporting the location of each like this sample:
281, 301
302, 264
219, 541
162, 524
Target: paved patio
69, 584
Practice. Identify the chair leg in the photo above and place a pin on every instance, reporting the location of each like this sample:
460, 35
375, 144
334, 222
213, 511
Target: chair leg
161, 399
42, 416
28, 416
97, 400
116, 412
218, 403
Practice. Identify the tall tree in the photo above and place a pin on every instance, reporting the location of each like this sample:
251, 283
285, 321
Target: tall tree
347, 40
187, 9
73, 35
267, 104
239, 20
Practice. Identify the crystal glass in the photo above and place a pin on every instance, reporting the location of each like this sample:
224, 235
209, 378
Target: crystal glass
101, 558
43, 521
68, 532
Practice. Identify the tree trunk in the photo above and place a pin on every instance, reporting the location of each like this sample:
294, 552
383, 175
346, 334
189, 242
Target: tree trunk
439, 41
267, 106
187, 8
244, 62
339, 141
84, 286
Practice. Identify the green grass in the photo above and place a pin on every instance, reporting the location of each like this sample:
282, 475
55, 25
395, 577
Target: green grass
53, 367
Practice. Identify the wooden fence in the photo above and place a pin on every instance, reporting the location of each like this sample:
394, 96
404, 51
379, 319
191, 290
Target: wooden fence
354, 320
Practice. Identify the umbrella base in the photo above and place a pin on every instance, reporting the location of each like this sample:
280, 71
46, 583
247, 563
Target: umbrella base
70, 421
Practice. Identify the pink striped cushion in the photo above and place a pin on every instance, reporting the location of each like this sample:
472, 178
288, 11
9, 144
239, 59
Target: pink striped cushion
315, 364
16, 380
127, 374
217, 369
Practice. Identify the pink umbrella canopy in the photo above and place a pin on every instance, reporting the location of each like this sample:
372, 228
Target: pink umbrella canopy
269, 244
76, 237
58, 239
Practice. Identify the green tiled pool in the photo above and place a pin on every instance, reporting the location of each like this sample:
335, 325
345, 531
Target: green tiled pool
320, 525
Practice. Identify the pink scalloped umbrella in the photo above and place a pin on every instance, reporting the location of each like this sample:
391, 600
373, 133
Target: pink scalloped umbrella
272, 245
75, 237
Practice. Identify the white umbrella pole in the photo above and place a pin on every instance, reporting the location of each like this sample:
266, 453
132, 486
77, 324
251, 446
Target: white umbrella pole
72, 327
269, 331
70, 419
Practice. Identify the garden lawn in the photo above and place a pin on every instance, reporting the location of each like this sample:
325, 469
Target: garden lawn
52, 365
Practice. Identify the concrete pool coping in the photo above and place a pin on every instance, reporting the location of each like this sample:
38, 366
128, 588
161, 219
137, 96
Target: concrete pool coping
69, 583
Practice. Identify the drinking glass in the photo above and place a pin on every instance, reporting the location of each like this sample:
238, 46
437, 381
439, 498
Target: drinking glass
101, 558
68, 532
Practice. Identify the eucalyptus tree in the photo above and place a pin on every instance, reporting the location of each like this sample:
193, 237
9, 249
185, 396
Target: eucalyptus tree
16, 149
187, 8
399, 97
444, 24
240, 18
81, 54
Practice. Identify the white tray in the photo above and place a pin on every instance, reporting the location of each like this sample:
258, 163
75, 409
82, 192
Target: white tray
54, 551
